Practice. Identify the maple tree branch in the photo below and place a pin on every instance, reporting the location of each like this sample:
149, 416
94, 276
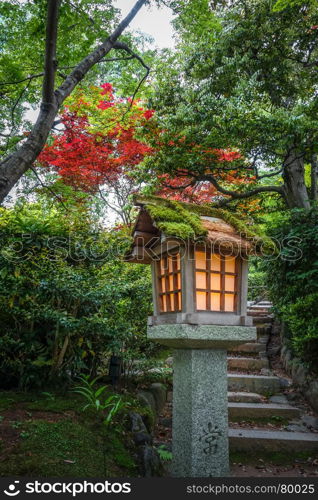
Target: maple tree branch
272, 174
180, 188
15, 105
81, 11
124, 46
48, 188
106, 59
30, 77
237, 195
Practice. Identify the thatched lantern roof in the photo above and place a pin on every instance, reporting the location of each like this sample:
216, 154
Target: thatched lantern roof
161, 219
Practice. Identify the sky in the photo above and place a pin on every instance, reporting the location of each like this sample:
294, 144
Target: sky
153, 21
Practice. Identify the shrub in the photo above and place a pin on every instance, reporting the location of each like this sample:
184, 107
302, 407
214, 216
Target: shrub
66, 297
292, 279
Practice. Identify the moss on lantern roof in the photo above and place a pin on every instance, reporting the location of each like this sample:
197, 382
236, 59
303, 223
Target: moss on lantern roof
183, 220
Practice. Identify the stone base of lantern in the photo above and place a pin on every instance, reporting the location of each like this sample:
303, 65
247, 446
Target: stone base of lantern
201, 336
200, 414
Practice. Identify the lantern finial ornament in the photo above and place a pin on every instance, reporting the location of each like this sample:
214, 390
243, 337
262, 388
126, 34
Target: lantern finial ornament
198, 256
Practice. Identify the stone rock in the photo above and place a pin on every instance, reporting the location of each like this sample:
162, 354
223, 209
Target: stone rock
284, 382
169, 361
292, 396
137, 423
169, 396
300, 375
266, 371
146, 398
310, 422
312, 394
279, 399
273, 351
283, 352
166, 422
151, 463
159, 393
286, 361
142, 438
296, 428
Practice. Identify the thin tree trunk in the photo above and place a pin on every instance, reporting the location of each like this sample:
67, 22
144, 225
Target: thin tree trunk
294, 189
17, 163
314, 178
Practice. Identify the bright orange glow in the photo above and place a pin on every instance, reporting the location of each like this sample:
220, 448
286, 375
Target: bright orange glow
200, 260
216, 263
216, 286
215, 281
200, 279
229, 264
201, 301
169, 280
215, 302
229, 302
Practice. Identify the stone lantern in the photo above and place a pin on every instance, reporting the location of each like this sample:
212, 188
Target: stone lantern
199, 268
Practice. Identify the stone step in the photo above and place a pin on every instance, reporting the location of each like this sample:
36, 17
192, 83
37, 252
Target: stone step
263, 330
261, 410
271, 441
261, 320
244, 397
246, 364
263, 339
233, 397
250, 347
261, 384
257, 307
264, 303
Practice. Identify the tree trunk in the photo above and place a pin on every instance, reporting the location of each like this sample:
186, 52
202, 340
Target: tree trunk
314, 178
16, 164
294, 189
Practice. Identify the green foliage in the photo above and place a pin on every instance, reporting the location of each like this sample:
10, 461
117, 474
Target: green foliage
257, 279
284, 4
111, 404
66, 297
57, 439
302, 320
292, 279
165, 455
82, 26
251, 88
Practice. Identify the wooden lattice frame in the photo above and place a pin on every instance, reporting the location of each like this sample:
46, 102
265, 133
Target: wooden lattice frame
222, 273
168, 271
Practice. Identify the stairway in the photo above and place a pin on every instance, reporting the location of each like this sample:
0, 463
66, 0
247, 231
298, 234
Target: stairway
265, 424
261, 417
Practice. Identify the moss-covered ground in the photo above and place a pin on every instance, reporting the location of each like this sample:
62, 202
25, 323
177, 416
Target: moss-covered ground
50, 435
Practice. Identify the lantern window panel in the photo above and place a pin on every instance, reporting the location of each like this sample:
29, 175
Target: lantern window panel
217, 286
169, 281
